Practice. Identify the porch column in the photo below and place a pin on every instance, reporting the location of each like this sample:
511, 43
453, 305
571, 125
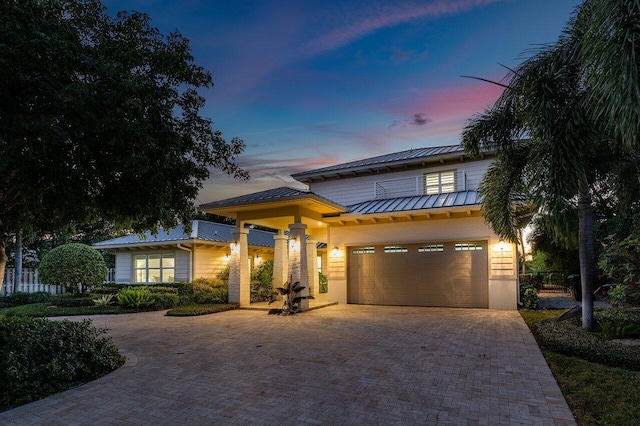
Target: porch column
312, 267
280, 260
239, 274
298, 260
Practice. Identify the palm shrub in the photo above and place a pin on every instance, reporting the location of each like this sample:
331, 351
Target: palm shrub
76, 267
135, 298
291, 298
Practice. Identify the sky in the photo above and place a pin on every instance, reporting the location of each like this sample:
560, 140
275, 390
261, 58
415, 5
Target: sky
307, 84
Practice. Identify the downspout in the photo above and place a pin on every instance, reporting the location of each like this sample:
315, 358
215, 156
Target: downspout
181, 247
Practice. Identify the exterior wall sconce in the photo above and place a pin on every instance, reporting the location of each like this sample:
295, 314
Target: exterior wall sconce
235, 247
294, 244
227, 257
258, 260
502, 245
335, 251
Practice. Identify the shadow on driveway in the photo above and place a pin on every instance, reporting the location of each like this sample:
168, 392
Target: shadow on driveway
343, 364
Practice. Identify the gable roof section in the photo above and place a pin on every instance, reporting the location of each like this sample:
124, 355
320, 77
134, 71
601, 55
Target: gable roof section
418, 202
202, 231
411, 156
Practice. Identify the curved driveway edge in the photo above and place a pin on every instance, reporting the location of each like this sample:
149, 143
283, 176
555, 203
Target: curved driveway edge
343, 364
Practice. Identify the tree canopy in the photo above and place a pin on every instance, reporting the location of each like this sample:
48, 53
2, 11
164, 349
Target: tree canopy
100, 117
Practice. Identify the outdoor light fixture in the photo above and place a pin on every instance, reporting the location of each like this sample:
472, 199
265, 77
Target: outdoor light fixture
294, 244
335, 252
258, 259
227, 257
502, 245
235, 247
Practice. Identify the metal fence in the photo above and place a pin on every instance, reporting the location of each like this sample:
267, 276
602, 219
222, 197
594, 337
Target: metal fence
547, 281
30, 282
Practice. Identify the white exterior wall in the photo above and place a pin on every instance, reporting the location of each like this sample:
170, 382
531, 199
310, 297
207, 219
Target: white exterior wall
502, 285
352, 190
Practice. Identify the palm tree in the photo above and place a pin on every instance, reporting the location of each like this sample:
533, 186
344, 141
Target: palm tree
546, 150
568, 113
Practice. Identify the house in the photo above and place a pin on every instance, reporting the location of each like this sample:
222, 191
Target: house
176, 255
400, 229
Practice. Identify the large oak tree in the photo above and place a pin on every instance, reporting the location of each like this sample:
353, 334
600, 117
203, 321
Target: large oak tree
100, 117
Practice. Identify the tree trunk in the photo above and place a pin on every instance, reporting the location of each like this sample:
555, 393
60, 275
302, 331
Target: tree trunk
587, 261
17, 279
3, 263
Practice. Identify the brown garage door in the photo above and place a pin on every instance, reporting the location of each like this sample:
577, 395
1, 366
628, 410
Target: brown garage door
431, 274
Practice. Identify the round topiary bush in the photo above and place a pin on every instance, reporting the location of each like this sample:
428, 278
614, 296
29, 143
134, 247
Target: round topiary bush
76, 267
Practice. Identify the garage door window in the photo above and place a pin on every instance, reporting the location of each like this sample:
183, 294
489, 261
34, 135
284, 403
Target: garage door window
431, 248
468, 246
395, 249
364, 250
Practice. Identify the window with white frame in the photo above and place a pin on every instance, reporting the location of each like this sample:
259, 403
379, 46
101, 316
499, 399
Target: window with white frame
440, 182
154, 268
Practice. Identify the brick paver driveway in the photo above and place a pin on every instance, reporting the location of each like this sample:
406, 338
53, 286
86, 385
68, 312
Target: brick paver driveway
343, 364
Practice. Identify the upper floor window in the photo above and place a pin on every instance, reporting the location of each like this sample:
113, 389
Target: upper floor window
154, 268
440, 182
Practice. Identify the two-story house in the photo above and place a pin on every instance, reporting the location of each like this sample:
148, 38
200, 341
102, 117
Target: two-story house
399, 229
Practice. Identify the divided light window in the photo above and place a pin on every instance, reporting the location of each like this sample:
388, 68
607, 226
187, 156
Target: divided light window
154, 268
364, 250
431, 248
468, 247
440, 182
395, 249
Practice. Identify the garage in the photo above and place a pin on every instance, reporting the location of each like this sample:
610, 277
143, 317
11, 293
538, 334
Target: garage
451, 274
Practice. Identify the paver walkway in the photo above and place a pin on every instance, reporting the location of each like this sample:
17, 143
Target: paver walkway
343, 364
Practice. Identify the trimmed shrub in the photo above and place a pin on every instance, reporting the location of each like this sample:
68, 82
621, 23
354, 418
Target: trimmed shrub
20, 298
135, 298
529, 297
628, 315
215, 295
568, 338
40, 357
164, 300
194, 310
70, 301
76, 267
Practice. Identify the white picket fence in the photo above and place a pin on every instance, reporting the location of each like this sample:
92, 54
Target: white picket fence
31, 282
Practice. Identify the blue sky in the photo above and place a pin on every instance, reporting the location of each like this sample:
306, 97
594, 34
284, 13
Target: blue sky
308, 84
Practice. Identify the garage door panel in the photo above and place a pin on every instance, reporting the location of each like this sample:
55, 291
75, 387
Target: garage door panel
443, 276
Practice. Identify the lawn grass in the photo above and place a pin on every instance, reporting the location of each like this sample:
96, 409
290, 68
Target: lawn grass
596, 394
194, 310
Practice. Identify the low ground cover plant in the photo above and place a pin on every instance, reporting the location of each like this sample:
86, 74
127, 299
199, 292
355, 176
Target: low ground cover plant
194, 310
39, 357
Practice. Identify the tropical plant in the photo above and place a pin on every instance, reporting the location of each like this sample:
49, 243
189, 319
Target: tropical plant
617, 295
103, 300
135, 298
620, 260
76, 267
555, 131
619, 330
323, 283
291, 298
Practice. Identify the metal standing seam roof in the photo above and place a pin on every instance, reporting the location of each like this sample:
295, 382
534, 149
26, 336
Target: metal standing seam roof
418, 202
282, 193
403, 156
201, 230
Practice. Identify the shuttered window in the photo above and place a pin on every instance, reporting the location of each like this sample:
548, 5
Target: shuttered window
440, 182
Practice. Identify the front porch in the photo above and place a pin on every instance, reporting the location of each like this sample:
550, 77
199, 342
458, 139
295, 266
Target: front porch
295, 258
